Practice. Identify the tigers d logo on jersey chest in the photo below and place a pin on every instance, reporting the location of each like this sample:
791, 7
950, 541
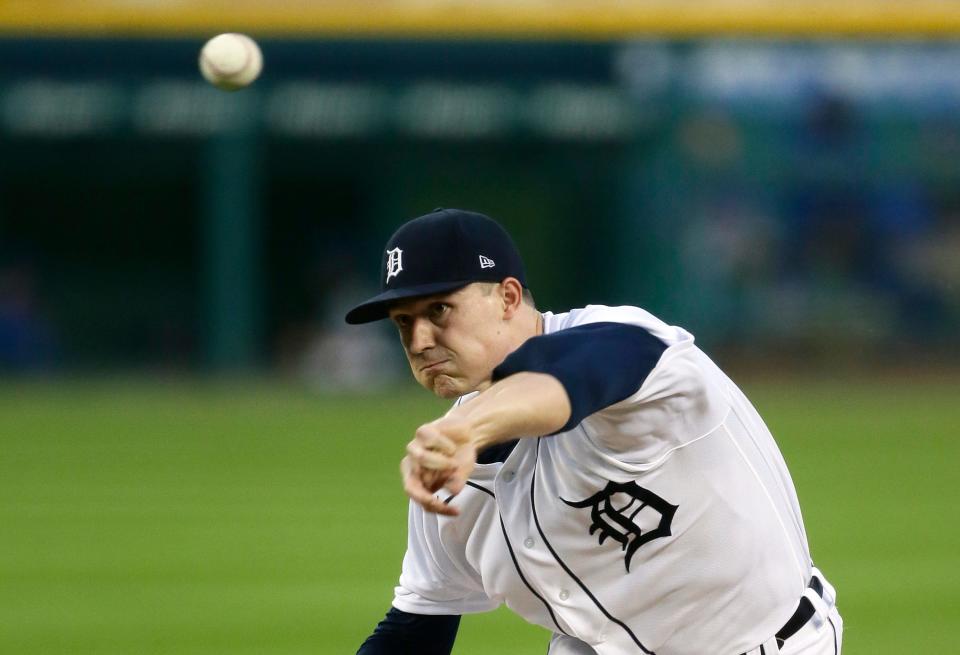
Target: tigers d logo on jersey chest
628, 514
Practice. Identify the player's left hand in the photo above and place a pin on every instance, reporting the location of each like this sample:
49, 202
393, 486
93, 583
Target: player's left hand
441, 455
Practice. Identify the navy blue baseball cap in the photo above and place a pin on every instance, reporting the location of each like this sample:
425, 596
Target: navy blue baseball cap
438, 253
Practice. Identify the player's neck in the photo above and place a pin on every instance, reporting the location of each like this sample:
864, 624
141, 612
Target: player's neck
531, 324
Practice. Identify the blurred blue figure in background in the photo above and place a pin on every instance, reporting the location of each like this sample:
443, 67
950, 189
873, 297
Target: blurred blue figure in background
904, 221
854, 229
27, 342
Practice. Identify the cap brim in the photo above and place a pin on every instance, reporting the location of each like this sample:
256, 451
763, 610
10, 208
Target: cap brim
377, 307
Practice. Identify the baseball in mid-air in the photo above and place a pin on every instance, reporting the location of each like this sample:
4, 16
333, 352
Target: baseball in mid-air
231, 61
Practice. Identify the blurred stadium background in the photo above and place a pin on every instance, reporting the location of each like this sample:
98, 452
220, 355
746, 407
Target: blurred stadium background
181, 466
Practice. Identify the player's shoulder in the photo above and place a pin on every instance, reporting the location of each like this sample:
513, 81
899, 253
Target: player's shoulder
624, 314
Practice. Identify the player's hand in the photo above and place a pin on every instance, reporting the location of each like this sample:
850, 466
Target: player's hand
441, 455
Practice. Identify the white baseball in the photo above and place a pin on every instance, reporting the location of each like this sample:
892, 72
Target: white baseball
231, 61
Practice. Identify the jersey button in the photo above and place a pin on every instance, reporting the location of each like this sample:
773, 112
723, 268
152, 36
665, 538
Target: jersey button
509, 475
564, 594
528, 542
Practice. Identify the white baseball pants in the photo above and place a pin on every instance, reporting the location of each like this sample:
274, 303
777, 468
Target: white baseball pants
821, 635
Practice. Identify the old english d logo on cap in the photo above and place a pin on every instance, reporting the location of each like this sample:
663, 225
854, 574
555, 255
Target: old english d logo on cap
394, 263
438, 253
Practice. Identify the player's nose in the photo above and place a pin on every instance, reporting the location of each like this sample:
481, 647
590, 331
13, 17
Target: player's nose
421, 336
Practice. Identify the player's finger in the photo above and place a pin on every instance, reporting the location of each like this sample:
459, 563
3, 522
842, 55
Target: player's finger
456, 481
433, 439
425, 496
427, 458
433, 480
415, 489
437, 506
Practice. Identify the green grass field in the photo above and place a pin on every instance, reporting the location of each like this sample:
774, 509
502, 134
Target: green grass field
215, 520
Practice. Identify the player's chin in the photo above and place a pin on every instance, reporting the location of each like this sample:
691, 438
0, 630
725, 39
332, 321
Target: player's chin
445, 386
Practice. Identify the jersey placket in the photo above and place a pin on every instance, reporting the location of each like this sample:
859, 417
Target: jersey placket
531, 561
571, 611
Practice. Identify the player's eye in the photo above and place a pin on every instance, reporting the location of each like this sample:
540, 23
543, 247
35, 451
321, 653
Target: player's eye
438, 310
402, 321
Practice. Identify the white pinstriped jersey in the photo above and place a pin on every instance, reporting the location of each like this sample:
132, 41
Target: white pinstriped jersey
666, 523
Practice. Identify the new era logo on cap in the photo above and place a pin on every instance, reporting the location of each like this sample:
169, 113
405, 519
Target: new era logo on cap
486, 262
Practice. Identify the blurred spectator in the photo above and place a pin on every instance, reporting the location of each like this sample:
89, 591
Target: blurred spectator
728, 245
339, 357
849, 227
26, 338
823, 250
321, 349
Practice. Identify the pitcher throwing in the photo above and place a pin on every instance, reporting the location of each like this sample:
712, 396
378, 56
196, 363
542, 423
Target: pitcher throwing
598, 473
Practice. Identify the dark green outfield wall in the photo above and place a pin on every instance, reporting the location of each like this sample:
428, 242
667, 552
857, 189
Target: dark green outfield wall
775, 199
162, 216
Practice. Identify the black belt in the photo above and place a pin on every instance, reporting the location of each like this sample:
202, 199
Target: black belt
801, 615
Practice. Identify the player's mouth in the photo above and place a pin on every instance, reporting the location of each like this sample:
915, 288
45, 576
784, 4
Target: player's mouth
429, 367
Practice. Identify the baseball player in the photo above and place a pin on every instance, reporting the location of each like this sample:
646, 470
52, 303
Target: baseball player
598, 473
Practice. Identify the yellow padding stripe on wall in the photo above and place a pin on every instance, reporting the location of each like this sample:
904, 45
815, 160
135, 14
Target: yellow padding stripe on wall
598, 20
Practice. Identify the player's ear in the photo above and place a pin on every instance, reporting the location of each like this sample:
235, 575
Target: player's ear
511, 292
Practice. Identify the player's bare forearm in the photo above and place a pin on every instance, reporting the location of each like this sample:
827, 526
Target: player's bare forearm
522, 405
443, 452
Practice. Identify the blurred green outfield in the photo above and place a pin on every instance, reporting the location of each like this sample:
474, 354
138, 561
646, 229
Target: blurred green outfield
209, 519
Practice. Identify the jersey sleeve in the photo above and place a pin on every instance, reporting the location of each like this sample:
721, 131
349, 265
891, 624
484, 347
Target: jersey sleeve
598, 364
400, 633
436, 578
636, 385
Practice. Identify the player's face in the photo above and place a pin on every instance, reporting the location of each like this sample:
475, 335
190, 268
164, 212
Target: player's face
453, 341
